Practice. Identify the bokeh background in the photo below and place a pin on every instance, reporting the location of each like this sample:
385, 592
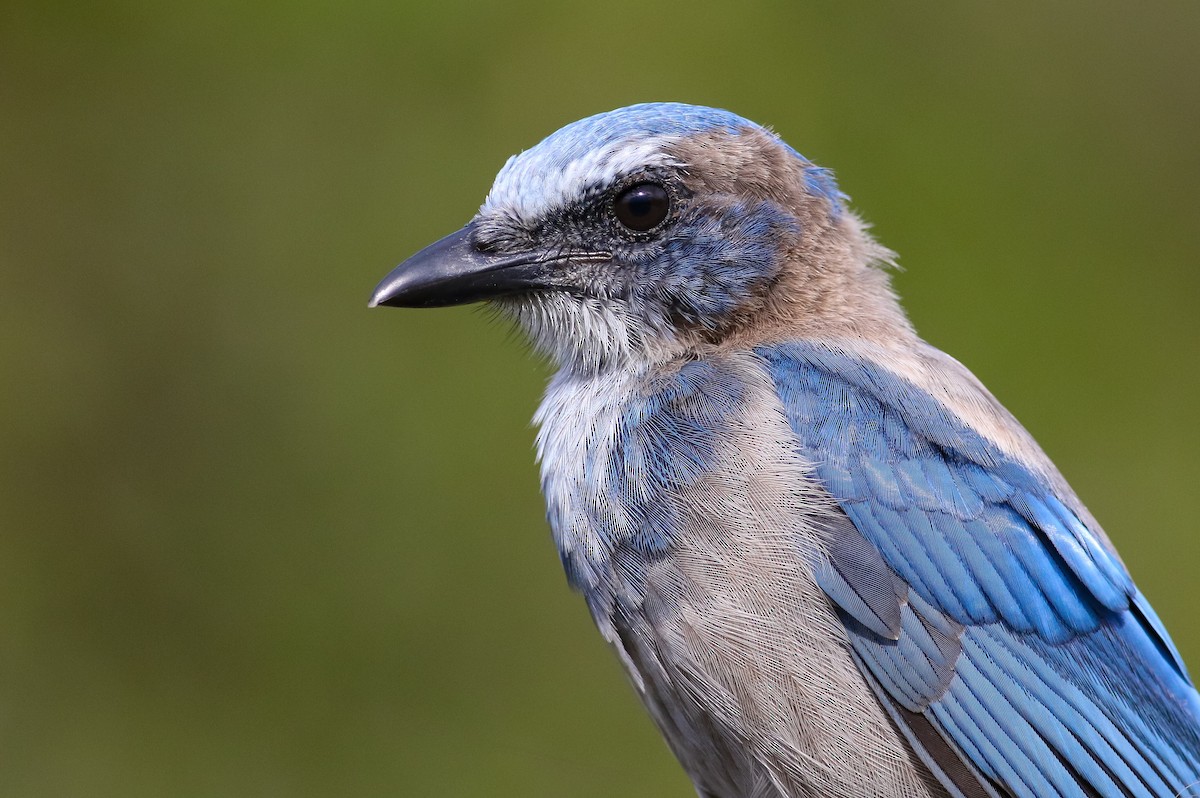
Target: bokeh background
257, 540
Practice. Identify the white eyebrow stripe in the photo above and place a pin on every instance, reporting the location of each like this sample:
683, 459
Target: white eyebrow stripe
553, 174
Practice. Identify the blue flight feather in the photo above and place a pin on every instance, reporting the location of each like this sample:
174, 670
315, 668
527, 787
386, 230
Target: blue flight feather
1021, 637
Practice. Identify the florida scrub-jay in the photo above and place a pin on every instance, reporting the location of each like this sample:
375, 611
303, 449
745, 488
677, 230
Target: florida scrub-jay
831, 562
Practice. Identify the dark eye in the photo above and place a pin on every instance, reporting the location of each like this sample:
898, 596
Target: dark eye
642, 207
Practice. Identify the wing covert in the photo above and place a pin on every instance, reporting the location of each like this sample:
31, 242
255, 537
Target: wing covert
1021, 638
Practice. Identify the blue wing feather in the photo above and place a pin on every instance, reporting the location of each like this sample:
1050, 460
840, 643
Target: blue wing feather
1011, 627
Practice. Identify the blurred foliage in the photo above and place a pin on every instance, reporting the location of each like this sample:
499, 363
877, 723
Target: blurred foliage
256, 540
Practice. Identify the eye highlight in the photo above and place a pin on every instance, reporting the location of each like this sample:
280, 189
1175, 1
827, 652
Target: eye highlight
642, 206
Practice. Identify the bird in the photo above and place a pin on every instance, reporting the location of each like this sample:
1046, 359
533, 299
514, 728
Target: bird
829, 559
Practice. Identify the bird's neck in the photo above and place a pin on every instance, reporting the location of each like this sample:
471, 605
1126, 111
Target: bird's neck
835, 282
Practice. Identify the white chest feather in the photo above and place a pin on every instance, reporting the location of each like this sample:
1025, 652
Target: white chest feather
578, 422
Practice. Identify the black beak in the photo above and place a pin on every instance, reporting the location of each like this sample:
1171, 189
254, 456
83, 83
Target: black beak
453, 271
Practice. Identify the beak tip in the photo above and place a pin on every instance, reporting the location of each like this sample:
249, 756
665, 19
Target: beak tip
388, 293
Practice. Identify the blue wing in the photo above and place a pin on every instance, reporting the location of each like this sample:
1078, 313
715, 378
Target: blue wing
1005, 638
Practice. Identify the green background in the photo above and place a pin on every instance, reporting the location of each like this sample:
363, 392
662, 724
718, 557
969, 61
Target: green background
258, 540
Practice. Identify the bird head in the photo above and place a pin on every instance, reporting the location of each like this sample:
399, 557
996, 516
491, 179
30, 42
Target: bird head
654, 232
